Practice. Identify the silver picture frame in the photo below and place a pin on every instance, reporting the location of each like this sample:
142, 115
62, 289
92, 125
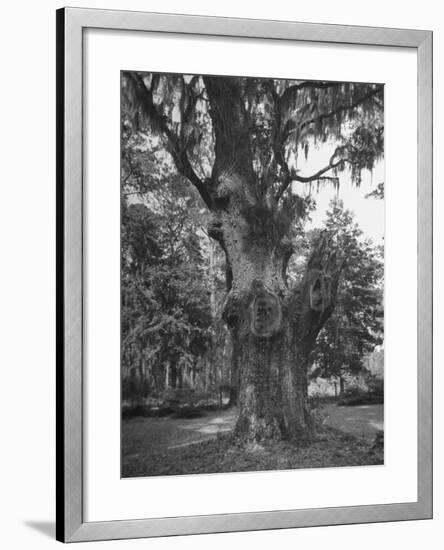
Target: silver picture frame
71, 24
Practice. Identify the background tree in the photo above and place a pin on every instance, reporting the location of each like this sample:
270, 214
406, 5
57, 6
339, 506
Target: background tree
166, 309
238, 141
355, 327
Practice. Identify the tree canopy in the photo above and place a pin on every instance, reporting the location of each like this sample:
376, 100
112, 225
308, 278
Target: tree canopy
272, 123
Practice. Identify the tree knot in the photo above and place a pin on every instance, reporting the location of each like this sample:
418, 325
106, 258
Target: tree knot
320, 290
265, 313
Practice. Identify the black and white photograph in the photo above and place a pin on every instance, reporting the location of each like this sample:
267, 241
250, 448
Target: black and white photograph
252, 274
220, 294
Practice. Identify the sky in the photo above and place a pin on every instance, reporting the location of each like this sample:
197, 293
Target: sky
370, 213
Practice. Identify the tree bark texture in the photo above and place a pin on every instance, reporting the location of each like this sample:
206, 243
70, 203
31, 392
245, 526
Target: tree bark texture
273, 328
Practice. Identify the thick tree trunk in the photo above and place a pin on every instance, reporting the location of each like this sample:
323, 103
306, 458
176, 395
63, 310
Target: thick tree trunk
272, 394
273, 328
270, 356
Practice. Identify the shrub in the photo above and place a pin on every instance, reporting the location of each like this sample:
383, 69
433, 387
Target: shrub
355, 396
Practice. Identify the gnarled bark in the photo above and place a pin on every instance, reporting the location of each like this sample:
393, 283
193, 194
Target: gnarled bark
273, 328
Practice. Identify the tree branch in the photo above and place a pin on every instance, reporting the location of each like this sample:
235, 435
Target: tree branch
292, 175
342, 108
319, 173
307, 84
279, 138
318, 291
231, 126
178, 151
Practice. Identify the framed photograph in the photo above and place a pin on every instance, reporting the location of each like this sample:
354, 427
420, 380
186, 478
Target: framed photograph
244, 274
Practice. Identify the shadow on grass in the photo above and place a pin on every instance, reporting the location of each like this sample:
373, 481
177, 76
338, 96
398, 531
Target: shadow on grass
329, 448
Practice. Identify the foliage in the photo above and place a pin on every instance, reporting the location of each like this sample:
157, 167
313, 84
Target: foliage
377, 193
285, 120
170, 293
166, 316
356, 326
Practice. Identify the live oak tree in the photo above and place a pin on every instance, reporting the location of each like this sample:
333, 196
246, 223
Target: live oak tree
238, 141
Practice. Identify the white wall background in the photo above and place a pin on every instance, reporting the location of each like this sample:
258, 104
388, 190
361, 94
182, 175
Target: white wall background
27, 282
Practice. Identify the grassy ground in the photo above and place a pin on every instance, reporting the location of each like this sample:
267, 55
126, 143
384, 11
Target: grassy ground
166, 446
363, 421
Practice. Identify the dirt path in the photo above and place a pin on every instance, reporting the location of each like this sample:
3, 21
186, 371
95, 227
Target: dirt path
153, 435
